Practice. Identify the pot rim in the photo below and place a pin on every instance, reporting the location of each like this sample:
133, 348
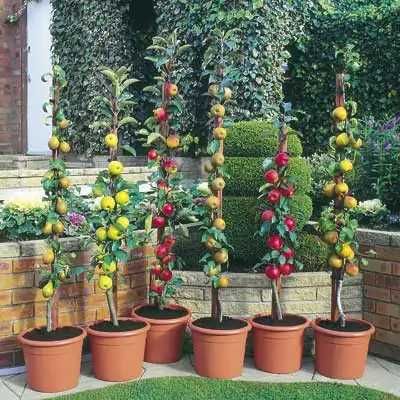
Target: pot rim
154, 321
298, 327
368, 332
53, 343
93, 332
221, 332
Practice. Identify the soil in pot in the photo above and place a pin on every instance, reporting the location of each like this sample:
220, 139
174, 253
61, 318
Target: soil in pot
219, 347
341, 352
53, 359
278, 344
165, 338
118, 351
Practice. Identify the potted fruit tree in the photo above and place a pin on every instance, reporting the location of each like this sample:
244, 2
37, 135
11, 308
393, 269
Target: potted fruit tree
341, 344
278, 337
52, 353
117, 344
218, 341
168, 203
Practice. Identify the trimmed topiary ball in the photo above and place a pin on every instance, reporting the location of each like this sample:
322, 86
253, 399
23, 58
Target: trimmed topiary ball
301, 208
300, 170
312, 252
258, 139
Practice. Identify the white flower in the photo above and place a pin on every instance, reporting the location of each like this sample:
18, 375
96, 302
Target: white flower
203, 188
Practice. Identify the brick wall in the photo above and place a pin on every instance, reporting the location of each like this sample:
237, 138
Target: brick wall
22, 305
12, 80
382, 290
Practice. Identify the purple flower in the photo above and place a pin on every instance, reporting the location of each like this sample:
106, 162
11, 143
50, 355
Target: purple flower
387, 146
76, 219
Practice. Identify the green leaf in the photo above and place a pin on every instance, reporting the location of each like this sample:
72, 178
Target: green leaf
129, 149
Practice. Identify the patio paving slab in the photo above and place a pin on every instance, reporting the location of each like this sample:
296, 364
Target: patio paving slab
380, 374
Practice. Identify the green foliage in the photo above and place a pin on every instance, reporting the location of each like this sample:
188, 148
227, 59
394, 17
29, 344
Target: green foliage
22, 221
258, 138
368, 31
301, 208
312, 252
247, 175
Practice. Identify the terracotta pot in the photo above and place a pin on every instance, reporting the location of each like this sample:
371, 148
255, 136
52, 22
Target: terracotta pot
55, 366
164, 341
341, 355
278, 349
117, 356
219, 354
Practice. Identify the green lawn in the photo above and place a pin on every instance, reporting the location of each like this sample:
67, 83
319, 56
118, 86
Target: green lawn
206, 389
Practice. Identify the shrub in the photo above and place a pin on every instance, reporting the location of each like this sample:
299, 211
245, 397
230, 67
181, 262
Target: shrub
301, 208
312, 252
247, 175
258, 138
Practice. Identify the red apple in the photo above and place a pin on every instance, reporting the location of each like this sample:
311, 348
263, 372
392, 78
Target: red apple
267, 215
156, 269
286, 269
272, 272
290, 223
152, 154
168, 209
156, 287
169, 240
162, 250
282, 159
162, 185
158, 222
271, 176
167, 259
287, 191
166, 275
289, 253
274, 196
160, 114
275, 242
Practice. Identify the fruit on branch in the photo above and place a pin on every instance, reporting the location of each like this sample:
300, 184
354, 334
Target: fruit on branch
221, 256
63, 124
287, 191
152, 154
110, 267
208, 167
169, 241
158, 222
350, 202
101, 234
342, 140
162, 185
339, 114
335, 262
58, 228
107, 203
61, 206
115, 168
217, 160
157, 287
53, 143
219, 224
289, 253
286, 269
171, 89
290, 223
346, 251
274, 242
113, 233
282, 159
223, 282
47, 228
271, 176
156, 269
218, 110
227, 93
167, 259
219, 133
218, 184
65, 147
210, 243
168, 209
330, 237
341, 188
160, 114
329, 189
166, 275
122, 198
213, 271
352, 269
161, 251
48, 290
48, 256
172, 142
272, 272
105, 282
213, 202
274, 196
123, 222
267, 215
64, 182
346, 166
170, 166
213, 90
356, 144
111, 141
